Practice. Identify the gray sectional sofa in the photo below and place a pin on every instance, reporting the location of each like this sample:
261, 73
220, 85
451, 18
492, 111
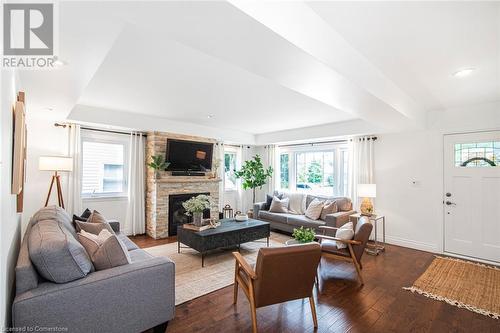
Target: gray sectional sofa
287, 222
130, 298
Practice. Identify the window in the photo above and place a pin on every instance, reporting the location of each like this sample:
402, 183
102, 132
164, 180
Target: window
229, 168
284, 171
103, 164
318, 170
478, 154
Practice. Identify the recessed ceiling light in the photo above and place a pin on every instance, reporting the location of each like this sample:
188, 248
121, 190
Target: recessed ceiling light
49, 109
210, 116
464, 72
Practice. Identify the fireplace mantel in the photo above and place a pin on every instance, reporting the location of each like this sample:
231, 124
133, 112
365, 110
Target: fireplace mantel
182, 179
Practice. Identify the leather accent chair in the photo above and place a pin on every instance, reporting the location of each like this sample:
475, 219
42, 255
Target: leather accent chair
355, 247
281, 274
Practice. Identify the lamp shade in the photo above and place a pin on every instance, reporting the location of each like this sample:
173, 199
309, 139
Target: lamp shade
367, 190
55, 163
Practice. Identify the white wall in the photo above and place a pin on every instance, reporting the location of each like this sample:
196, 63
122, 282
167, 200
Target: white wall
43, 139
414, 212
10, 224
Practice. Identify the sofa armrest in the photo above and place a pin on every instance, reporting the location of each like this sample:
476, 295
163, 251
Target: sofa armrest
128, 298
338, 219
257, 207
115, 225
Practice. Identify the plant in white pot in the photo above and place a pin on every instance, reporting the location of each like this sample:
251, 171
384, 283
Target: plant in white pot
302, 236
195, 207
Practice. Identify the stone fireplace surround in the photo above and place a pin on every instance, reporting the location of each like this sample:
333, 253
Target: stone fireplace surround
158, 190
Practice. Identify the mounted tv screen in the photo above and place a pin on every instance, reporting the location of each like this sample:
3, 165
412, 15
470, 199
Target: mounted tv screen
189, 155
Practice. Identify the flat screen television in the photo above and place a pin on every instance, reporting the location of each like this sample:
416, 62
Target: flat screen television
189, 155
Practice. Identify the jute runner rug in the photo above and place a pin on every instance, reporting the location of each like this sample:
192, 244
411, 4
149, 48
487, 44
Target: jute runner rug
473, 286
193, 281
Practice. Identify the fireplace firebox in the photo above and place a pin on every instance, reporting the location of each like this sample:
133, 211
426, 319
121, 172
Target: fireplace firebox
177, 213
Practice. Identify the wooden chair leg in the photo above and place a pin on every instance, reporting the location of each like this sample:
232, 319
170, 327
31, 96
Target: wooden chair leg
253, 310
358, 270
235, 291
356, 264
313, 311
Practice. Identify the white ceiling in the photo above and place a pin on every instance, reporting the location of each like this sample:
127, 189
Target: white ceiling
262, 67
419, 45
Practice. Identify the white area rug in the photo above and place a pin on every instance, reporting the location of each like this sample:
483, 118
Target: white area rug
192, 280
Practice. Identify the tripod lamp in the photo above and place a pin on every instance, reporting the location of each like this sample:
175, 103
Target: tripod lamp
56, 164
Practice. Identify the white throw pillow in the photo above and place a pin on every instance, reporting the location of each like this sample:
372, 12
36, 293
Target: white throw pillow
297, 204
279, 205
314, 210
345, 232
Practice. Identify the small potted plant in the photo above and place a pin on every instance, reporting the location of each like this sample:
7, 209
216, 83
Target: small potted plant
158, 164
195, 207
301, 236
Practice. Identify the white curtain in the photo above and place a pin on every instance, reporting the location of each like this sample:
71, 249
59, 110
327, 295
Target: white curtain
244, 196
361, 164
220, 172
135, 220
270, 161
74, 203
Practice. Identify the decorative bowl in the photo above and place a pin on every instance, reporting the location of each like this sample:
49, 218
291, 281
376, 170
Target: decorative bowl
241, 217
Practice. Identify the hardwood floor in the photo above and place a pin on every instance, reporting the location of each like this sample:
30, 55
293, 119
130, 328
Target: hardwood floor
342, 305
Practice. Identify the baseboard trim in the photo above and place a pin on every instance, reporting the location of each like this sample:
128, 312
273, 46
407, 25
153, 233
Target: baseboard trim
412, 244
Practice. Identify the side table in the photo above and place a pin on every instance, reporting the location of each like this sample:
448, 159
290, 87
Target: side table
376, 247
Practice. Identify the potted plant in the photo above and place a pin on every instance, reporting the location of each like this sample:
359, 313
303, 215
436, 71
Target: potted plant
301, 236
195, 207
254, 175
158, 164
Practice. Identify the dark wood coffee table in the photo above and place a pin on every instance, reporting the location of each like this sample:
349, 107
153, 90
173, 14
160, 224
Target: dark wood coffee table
229, 234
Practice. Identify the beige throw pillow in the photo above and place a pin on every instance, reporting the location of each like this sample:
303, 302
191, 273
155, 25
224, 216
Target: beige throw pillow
279, 205
96, 217
105, 250
330, 207
314, 210
345, 232
93, 228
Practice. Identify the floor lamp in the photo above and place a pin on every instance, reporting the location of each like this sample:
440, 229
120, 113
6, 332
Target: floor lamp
56, 164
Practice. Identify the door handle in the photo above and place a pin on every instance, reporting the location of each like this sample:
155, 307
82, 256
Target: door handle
449, 203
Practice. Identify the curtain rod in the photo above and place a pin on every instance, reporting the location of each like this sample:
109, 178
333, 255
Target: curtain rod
101, 130
313, 143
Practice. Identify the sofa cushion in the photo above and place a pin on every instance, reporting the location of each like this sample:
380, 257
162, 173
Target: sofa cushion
139, 255
330, 207
279, 205
302, 220
127, 242
93, 228
314, 209
55, 213
56, 254
270, 216
105, 254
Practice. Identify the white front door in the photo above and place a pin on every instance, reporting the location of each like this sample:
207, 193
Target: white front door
471, 195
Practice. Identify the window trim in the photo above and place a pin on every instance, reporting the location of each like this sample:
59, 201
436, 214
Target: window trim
337, 149
99, 137
236, 151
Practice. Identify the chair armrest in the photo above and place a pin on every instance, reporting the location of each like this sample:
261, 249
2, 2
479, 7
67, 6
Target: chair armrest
328, 227
346, 241
257, 207
338, 219
115, 225
108, 297
244, 265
